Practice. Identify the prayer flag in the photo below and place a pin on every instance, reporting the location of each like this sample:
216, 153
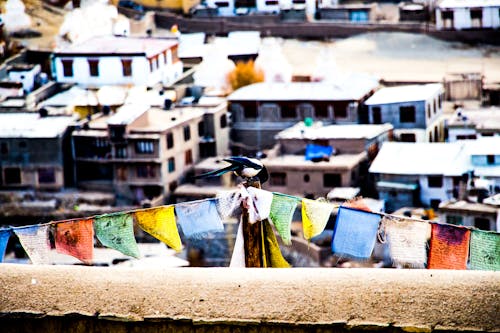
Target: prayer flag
228, 204
282, 209
407, 241
198, 217
76, 238
484, 250
355, 232
258, 203
117, 232
315, 215
449, 247
160, 223
272, 252
4, 239
238, 256
35, 241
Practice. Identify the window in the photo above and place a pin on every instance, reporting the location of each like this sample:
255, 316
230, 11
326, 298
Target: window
116, 132
490, 159
277, 179
482, 223
188, 157
121, 173
377, 115
187, 133
487, 134
435, 181
476, 13
307, 178
272, 2
12, 176
436, 134
127, 67
221, 4
322, 110
144, 147
171, 164
332, 180
145, 171
67, 67
170, 140
223, 121
407, 137
340, 109
440, 101
428, 111
466, 137
454, 219
201, 129
121, 151
46, 176
447, 15
435, 106
407, 114
151, 66
4, 148
93, 67
435, 204
23, 144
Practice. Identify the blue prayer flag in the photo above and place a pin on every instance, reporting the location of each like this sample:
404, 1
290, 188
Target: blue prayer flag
198, 217
4, 239
355, 232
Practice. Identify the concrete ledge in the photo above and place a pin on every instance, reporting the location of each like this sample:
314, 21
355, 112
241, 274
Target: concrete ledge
96, 299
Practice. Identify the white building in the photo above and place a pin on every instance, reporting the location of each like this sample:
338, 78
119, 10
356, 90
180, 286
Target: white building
468, 14
110, 60
484, 154
414, 174
414, 110
473, 124
25, 74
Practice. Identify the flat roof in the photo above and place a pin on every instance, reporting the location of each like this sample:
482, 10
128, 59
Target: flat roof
292, 162
409, 93
354, 87
468, 3
73, 96
347, 131
405, 158
481, 119
483, 146
113, 45
344, 193
127, 113
468, 206
31, 125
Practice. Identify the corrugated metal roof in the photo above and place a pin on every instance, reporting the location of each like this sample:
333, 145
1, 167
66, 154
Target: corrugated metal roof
31, 125
401, 158
410, 93
354, 87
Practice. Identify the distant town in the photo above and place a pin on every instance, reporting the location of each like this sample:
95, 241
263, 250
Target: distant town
124, 110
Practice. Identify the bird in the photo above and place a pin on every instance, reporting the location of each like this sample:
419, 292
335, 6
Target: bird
242, 166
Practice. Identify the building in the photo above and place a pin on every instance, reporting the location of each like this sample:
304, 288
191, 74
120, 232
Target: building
33, 151
112, 60
416, 174
471, 214
26, 74
355, 13
261, 110
143, 153
473, 124
484, 154
467, 14
414, 110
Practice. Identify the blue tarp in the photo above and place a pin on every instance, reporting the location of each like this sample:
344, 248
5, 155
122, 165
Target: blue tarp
318, 153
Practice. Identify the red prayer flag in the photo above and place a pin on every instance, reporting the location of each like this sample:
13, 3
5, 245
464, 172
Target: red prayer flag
76, 238
449, 247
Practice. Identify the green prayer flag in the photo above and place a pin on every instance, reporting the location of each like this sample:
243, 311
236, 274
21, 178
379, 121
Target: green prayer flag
484, 250
282, 209
117, 232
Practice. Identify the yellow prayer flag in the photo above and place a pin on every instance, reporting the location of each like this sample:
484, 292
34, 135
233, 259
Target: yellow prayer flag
315, 215
160, 223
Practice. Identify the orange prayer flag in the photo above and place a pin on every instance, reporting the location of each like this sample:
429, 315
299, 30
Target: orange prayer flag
449, 247
76, 238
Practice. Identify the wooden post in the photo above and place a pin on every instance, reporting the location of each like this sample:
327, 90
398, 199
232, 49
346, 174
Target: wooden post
252, 235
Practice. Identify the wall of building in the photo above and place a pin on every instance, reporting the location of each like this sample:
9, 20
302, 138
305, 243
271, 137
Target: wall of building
462, 18
96, 299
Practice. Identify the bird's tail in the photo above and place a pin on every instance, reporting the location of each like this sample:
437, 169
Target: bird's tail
216, 173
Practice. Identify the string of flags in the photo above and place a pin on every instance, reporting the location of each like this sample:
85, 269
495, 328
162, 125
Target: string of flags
411, 242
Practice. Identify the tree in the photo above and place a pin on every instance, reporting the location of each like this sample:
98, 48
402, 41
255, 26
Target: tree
244, 74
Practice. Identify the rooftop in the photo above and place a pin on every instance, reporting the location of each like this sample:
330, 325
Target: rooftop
31, 125
410, 93
112, 45
481, 119
292, 162
73, 96
468, 3
319, 131
354, 87
401, 158
463, 205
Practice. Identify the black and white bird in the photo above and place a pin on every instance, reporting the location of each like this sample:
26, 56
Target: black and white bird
244, 167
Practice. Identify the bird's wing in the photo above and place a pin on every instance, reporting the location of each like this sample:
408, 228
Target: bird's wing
243, 162
218, 172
